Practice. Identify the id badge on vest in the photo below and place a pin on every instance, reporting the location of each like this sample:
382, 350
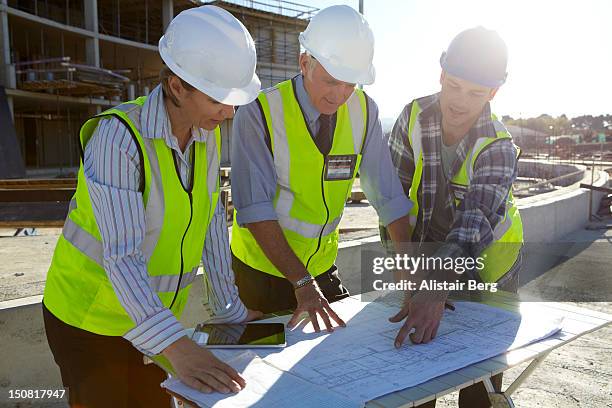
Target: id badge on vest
340, 167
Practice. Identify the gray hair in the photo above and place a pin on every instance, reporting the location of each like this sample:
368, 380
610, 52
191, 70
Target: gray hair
312, 63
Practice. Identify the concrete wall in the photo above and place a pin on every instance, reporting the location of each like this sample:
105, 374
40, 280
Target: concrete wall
27, 362
548, 217
538, 169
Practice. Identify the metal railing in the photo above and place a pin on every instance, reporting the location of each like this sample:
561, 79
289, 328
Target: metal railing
549, 181
282, 7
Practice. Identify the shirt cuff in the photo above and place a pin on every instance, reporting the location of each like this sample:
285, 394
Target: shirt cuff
255, 213
235, 312
394, 209
156, 333
451, 250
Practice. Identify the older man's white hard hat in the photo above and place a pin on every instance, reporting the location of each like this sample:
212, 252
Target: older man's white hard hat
211, 50
342, 41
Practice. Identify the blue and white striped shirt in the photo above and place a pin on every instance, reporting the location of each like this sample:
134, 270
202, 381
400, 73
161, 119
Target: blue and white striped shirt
112, 169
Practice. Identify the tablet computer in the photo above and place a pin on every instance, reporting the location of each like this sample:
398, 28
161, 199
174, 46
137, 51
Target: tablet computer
249, 335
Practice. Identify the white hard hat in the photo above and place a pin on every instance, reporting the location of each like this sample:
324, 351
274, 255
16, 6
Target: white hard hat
342, 41
211, 50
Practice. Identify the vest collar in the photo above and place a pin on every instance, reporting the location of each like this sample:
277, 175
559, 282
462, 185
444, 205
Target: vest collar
311, 114
155, 124
430, 120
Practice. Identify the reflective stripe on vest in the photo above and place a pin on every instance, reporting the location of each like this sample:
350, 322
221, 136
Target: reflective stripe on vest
78, 290
91, 247
306, 229
507, 234
285, 198
308, 216
414, 128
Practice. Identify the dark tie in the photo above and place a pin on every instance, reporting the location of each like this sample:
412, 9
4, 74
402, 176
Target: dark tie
323, 138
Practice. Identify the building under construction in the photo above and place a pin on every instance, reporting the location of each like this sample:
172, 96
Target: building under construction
65, 60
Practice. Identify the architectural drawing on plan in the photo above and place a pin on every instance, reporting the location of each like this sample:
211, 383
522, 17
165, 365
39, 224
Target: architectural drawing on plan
361, 362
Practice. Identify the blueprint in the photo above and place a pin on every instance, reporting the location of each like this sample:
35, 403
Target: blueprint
267, 387
359, 363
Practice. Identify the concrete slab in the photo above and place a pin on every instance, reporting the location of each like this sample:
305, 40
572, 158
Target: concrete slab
24, 265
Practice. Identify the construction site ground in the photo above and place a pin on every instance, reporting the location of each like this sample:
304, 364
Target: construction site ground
576, 375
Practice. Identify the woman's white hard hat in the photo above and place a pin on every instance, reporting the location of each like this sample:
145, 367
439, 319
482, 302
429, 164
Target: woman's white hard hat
211, 50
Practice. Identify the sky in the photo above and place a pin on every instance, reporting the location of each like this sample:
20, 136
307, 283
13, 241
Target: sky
560, 52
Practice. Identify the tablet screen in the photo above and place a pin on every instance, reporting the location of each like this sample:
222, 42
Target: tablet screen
245, 335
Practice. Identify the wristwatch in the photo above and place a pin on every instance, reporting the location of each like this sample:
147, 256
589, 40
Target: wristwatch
303, 282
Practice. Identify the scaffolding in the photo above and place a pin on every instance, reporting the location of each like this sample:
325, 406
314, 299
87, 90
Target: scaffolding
67, 78
69, 12
275, 26
53, 61
66, 60
140, 21
277, 7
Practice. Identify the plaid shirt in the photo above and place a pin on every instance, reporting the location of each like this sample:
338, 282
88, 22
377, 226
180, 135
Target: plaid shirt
484, 204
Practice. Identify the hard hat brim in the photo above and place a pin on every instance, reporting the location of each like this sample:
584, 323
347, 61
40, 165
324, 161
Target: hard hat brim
350, 76
228, 96
465, 74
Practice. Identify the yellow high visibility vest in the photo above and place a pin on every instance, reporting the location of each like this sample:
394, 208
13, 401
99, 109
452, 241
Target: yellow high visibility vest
503, 252
311, 189
78, 290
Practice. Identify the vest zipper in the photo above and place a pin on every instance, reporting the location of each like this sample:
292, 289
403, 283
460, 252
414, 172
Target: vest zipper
189, 191
326, 216
178, 285
293, 81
